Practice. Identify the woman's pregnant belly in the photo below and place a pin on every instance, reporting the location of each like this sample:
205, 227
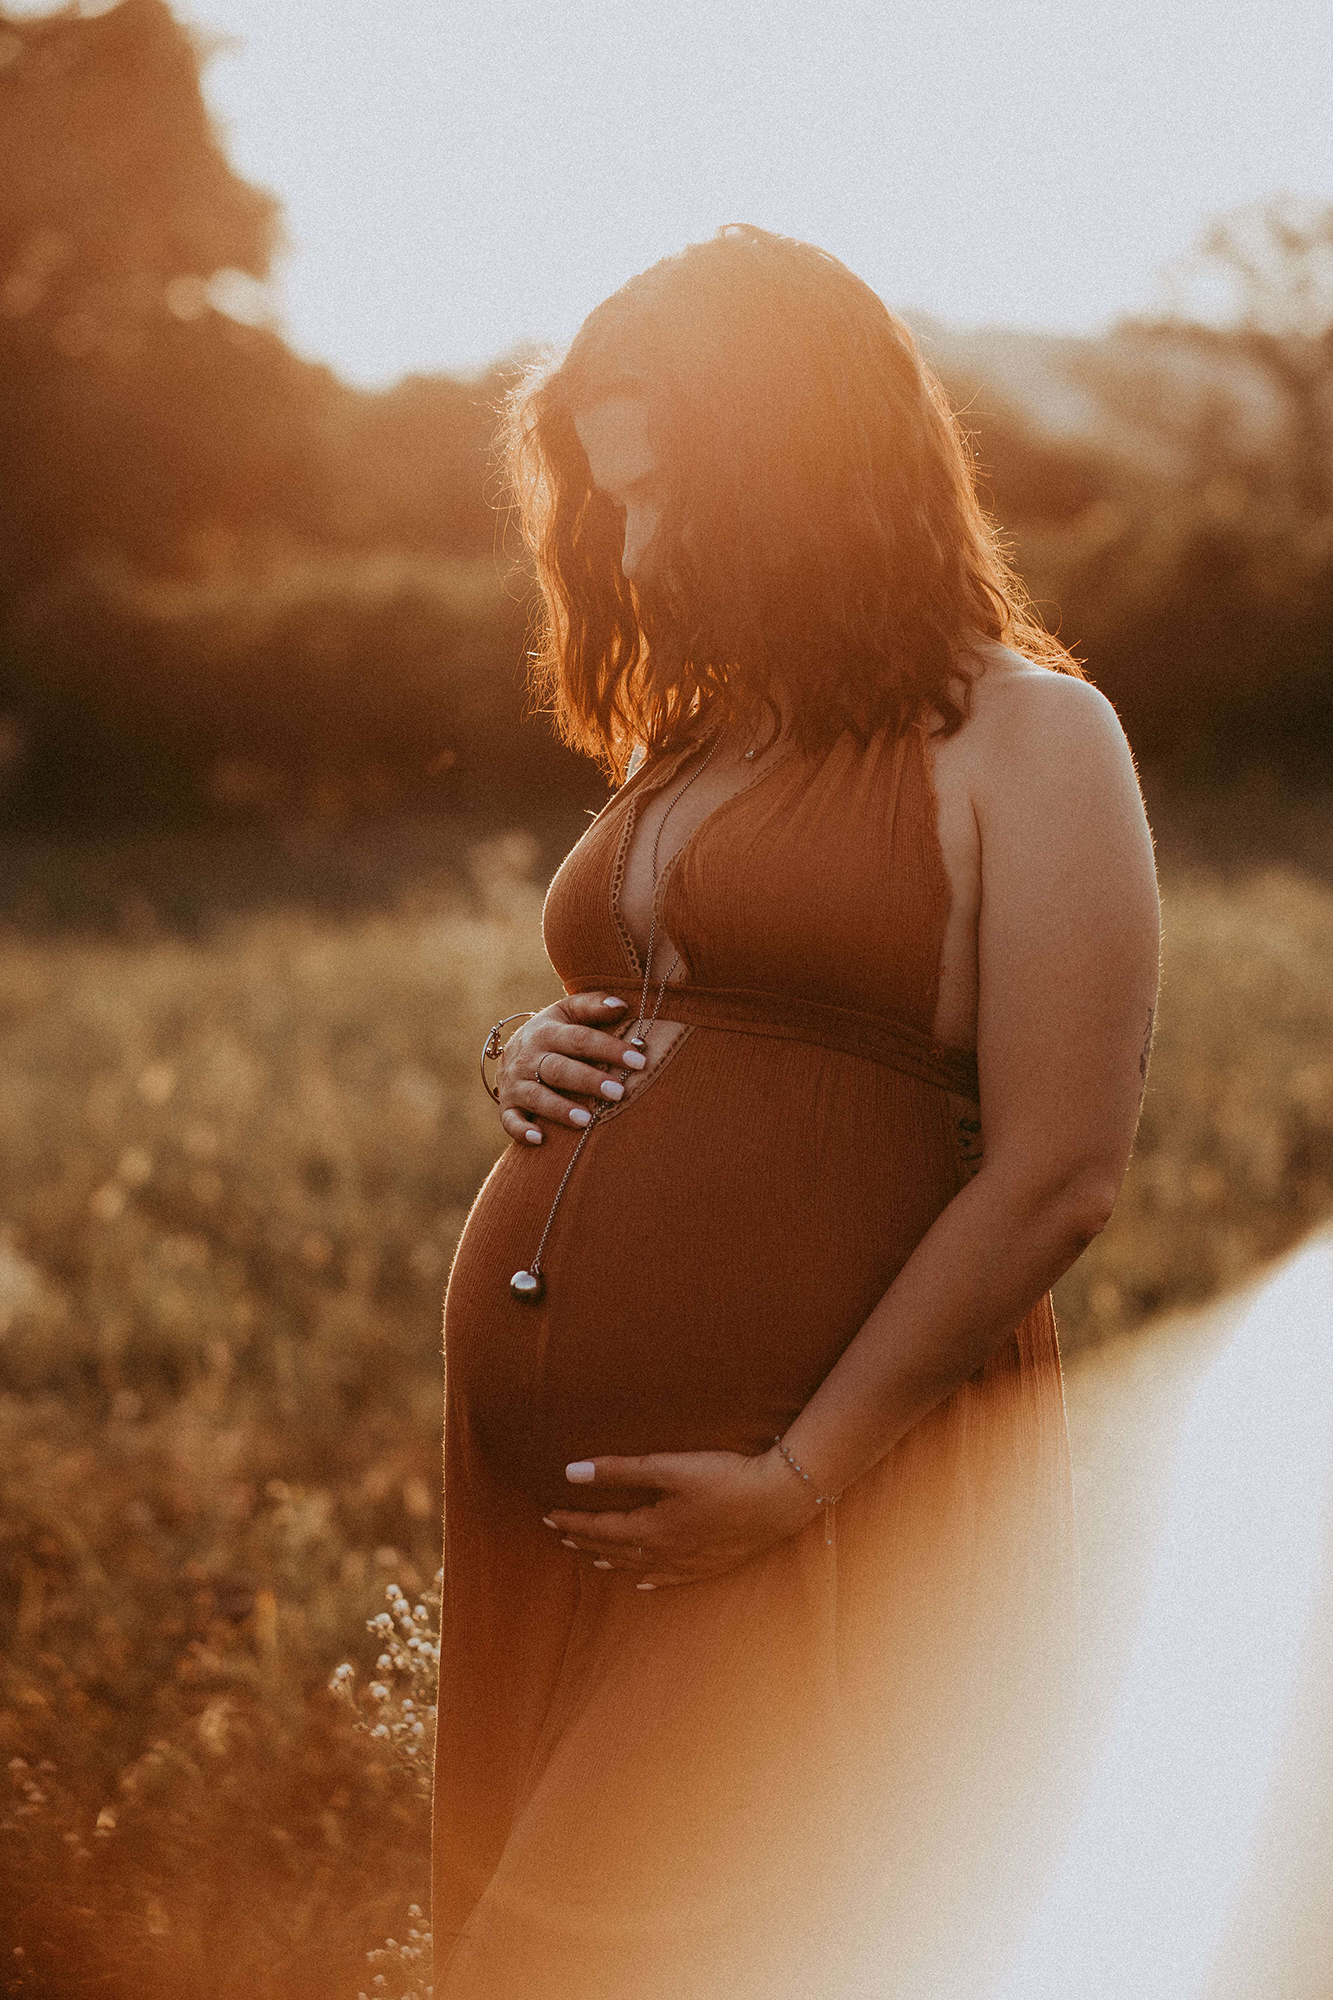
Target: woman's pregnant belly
720, 1241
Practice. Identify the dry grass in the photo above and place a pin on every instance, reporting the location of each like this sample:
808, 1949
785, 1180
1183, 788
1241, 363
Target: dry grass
1234, 1158
231, 1175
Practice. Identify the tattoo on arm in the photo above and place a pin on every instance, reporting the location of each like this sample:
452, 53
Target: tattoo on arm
1145, 1052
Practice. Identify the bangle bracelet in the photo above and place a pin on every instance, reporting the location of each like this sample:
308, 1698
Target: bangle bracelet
828, 1500
493, 1048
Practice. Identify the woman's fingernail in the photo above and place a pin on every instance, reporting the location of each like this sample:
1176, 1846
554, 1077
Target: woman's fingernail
632, 1059
645, 1586
613, 1003
547, 1522
533, 1136
578, 1116
600, 1562
566, 1543
581, 1472
612, 1089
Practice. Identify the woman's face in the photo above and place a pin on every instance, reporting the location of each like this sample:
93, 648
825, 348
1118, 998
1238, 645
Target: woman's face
624, 466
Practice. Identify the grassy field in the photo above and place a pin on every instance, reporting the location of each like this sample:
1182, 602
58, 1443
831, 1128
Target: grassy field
235, 1154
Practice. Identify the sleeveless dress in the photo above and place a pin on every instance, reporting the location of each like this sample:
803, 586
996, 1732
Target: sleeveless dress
834, 1771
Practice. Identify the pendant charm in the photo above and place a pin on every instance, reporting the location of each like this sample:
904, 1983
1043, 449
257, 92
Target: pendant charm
528, 1286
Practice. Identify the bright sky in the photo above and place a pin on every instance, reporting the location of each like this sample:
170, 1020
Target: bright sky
460, 175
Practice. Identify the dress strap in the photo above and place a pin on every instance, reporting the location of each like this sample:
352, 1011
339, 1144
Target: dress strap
786, 1017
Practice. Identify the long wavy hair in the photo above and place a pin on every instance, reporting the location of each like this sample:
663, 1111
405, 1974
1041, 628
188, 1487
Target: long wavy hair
821, 535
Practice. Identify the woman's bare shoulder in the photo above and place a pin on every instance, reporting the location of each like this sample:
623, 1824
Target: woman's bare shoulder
1009, 689
1037, 728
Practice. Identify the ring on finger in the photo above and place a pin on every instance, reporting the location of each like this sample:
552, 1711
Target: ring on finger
537, 1073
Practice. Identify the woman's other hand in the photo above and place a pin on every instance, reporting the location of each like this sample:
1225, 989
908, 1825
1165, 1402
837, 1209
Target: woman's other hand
573, 1051
718, 1510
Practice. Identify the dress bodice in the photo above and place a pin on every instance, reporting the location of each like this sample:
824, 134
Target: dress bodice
821, 880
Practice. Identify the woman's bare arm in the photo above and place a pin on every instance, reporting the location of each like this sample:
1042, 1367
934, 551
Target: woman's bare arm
1068, 958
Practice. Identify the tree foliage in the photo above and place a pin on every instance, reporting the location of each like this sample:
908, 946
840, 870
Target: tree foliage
228, 579
211, 550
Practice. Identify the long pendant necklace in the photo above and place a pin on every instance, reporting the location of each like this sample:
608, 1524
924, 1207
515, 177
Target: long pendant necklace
530, 1284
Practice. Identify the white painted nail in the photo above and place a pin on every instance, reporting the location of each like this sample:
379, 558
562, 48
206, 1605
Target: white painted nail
566, 1543
533, 1136
645, 1586
581, 1472
612, 1089
578, 1116
600, 1562
632, 1059
613, 1003
547, 1522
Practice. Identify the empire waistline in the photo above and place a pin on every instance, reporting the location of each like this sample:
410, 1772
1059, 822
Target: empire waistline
881, 1038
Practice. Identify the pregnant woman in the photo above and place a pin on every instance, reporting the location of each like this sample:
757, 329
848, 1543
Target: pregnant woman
757, 1637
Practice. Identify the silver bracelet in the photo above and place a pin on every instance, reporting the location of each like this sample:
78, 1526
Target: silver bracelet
493, 1047
828, 1500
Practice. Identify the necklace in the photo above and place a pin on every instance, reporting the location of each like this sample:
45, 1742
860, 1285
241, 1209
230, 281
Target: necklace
530, 1284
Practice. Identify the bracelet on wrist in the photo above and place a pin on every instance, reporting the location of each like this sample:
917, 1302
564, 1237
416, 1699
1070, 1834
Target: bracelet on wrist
826, 1500
494, 1047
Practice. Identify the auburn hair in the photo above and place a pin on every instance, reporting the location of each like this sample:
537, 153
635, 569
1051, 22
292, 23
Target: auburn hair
821, 532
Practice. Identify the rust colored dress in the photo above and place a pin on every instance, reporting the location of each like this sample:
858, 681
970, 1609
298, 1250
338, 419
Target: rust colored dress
829, 1772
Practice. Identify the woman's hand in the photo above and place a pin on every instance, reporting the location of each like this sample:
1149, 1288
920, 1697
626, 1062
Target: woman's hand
718, 1510
574, 1052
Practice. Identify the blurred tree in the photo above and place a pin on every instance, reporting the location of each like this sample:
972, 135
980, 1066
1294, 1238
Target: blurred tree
1264, 272
1169, 488
117, 207
179, 493
1266, 267
135, 414
112, 180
